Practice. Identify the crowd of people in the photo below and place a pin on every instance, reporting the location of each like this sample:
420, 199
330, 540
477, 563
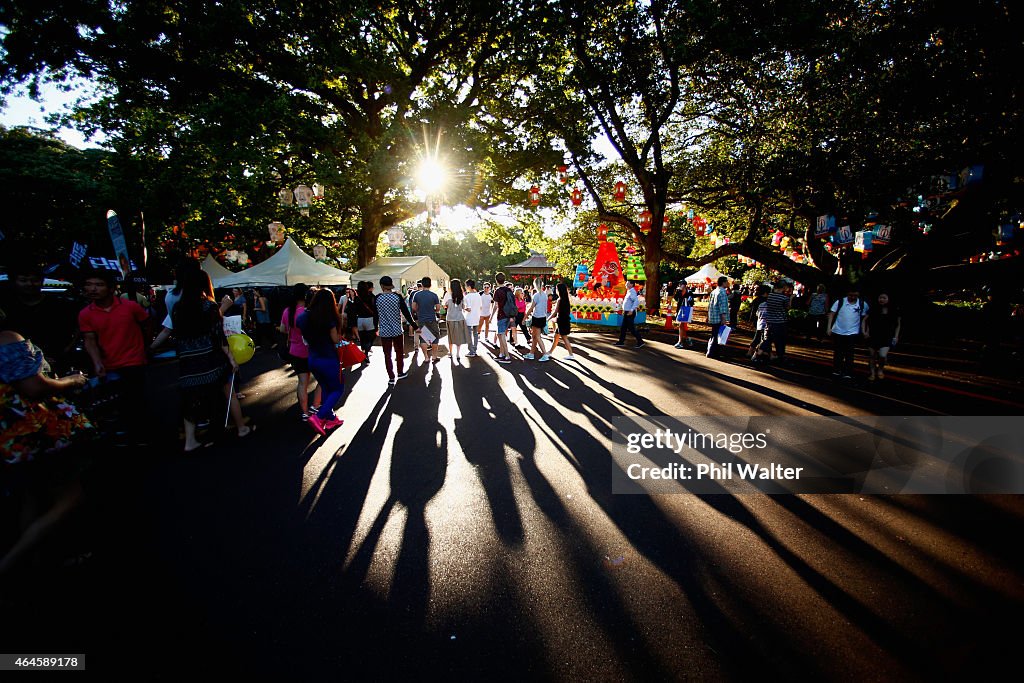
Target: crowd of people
46, 341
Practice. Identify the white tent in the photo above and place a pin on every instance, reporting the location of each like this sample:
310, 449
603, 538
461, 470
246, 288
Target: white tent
214, 269
706, 271
289, 266
404, 270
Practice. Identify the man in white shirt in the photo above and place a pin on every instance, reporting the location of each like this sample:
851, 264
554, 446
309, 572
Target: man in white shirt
629, 308
845, 325
472, 305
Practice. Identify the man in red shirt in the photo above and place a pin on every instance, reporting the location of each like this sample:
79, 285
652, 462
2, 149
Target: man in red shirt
114, 339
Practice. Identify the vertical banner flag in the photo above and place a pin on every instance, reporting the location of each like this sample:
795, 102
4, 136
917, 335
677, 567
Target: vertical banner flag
78, 252
120, 246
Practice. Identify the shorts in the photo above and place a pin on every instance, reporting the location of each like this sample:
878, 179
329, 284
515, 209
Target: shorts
564, 328
539, 322
299, 365
503, 325
433, 327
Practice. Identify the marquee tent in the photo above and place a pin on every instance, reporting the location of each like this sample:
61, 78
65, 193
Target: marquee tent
289, 266
214, 269
404, 270
707, 271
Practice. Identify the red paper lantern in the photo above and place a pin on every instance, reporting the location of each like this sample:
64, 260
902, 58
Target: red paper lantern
620, 191
646, 218
576, 197
700, 225
666, 221
534, 195
602, 233
563, 174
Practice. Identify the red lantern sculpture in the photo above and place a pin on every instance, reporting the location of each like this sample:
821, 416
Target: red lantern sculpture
646, 218
665, 222
534, 195
620, 191
563, 174
602, 233
576, 197
699, 225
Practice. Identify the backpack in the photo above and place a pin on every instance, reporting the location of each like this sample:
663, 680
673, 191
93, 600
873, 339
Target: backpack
509, 307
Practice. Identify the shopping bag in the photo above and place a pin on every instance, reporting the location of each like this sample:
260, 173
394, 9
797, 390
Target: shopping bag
684, 314
723, 334
350, 354
427, 336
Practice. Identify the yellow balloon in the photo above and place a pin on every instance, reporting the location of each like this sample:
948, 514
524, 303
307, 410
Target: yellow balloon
242, 347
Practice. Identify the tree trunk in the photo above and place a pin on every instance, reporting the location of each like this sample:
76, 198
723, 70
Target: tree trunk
652, 291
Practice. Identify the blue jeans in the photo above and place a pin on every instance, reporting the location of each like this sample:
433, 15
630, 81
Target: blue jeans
327, 371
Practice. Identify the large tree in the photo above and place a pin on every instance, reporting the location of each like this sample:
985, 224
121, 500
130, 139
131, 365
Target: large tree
242, 99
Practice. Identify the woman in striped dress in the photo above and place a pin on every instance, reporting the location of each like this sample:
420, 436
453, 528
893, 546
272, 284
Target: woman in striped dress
204, 359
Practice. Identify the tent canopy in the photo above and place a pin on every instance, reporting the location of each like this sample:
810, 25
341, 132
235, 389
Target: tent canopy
404, 270
214, 269
537, 264
706, 271
289, 266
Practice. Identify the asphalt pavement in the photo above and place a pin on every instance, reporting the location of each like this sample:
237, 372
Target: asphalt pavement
461, 525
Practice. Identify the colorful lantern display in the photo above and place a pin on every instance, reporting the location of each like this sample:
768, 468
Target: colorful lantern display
777, 238
576, 197
563, 174
602, 233
844, 235
646, 218
620, 191
396, 238
276, 231
319, 252
699, 225
284, 196
882, 234
824, 225
534, 195
862, 241
318, 192
303, 198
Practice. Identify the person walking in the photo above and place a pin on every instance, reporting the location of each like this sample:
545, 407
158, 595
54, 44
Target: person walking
630, 305
503, 306
114, 336
735, 299
759, 315
521, 304
777, 318
364, 311
415, 330
298, 353
424, 309
683, 299
390, 309
485, 311
205, 362
320, 325
458, 333
261, 305
538, 314
816, 311
472, 309
718, 315
882, 329
845, 325
563, 322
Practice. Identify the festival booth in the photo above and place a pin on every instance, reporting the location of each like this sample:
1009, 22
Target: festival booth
535, 266
707, 275
405, 272
599, 293
289, 266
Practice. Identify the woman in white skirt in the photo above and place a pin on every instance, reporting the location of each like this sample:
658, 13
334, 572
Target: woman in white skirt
458, 332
